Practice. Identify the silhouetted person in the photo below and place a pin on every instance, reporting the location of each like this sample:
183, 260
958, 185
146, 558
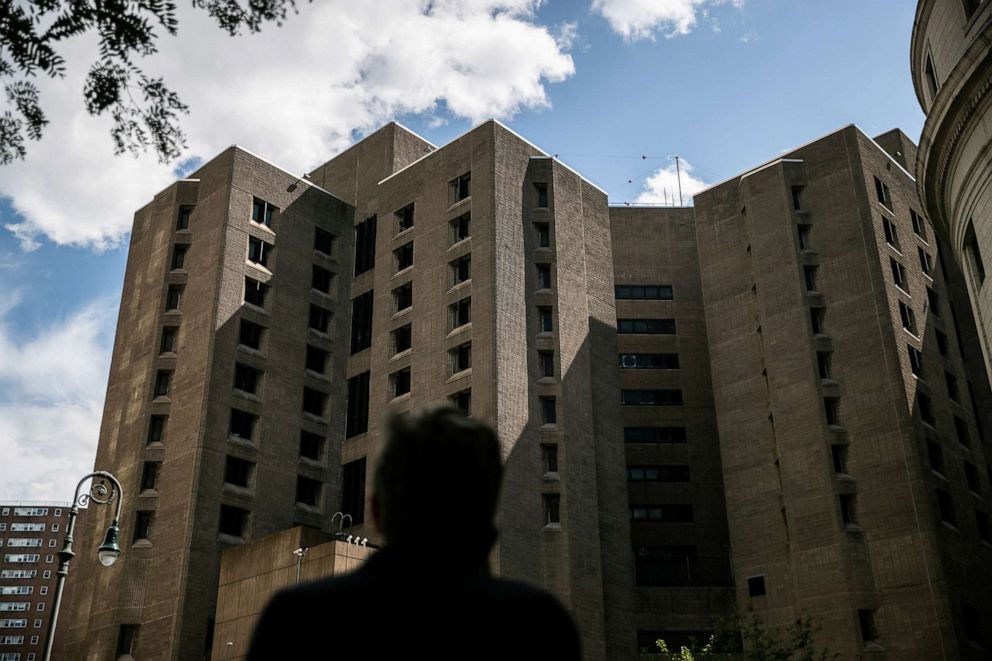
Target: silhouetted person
428, 593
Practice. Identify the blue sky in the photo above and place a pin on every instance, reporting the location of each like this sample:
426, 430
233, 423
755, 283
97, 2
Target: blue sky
725, 84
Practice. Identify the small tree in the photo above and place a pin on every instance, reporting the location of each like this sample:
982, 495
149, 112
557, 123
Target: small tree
761, 643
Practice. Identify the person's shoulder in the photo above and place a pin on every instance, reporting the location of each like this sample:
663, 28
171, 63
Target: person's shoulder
520, 594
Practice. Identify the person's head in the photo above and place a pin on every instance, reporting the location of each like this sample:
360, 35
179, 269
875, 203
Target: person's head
439, 472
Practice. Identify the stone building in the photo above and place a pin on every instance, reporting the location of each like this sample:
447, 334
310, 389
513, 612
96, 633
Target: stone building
951, 62
853, 413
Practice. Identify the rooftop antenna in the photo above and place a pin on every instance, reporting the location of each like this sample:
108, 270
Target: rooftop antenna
678, 174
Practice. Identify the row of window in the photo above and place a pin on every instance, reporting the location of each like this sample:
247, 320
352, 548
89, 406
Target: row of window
26, 557
21, 589
30, 511
20, 606
21, 623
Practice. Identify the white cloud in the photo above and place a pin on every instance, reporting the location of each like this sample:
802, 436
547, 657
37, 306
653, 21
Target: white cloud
641, 19
51, 400
295, 94
662, 187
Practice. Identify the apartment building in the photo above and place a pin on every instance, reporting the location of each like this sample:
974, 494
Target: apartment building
852, 410
31, 534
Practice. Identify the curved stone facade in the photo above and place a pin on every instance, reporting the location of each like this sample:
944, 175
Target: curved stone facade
952, 75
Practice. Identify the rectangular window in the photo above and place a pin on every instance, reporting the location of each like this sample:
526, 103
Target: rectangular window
460, 357
358, 405
250, 335
149, 475
544, 276
654, 435
173, 297
156, 429
365, 234
316, 359
320, 279
935, 454
460, 188
650, 361
552, 509
549, 458
665, 473
162, 378
817, 317
547, 361
952, 387
908, 318
926, 409
259, 251
643, 292
933, 302
662, 513
461, 269
882, 193
460, 312
823, 360
403, 256
182, 221
246, 378
891, 235
803, 232
960, 429
848, 510
941, 342
945, 503
974, 630
314, 402
402, 338
866, 622
549, 411
982, 524
546, 319
971, 476
973, 255
915, 360
399, 382
542, 195
237, 472
311, 446
233, 521
461, 227
930, 73
646, 326
319, 318
926, 263
919, 225
404, 218
462, 400
403, 297
797, 198
899, 275
353, 491
168, 343
308, 491
242, 424
543, 235
255, 292
838, 454
831, 407
261, 212
809, 277
142, 525
179, 256
323, 241
361, 322
669, 397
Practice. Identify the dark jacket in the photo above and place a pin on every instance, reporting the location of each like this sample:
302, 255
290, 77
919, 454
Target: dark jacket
396, 607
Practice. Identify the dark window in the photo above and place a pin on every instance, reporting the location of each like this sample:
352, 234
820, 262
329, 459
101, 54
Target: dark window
461, 357
973, 254
402, 338
168, 343
933, 85
162, 379
182, 222
173, 297
311, 445
908, 318
320, 279
935, 454
552, 509
671, 397
126, 636
255, 292
831, 407
361, 322
353, 491
358, 405
149, 475
941, 341
971, 476
549, 411
314, 402
399, 382
838, 453
237, 471
233, 521
803, 231
542, 195
919, 225
961, 429
404, 256
756, 586
461, 312
654, 435
404, 218
665, 473
261, 212
926, 409
848, 510
549, 458
665, 513
945, 503
915, 360
543, 235
546, 319
250, 335
461, 227
242, 424
809, 277
246, 378
866, 621
156, 428
643, 292
544, 276
461, 269
316, 359
823, 360
365, 245
460, 188
899, 275
971, 6
403, 296
797, 198
179, 256
259, 251
952, 387
323, 241
933, 302
891, 235
982, 524
973, 628
308, 491
664, 565
882, 193
817, 317
926, 262
462, 401
319, 319
547, 359
142, 526
655, 361
646, 326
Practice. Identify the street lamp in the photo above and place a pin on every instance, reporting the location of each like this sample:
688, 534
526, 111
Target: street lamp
109, 550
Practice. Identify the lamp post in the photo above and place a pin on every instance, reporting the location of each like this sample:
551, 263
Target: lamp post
109, 550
